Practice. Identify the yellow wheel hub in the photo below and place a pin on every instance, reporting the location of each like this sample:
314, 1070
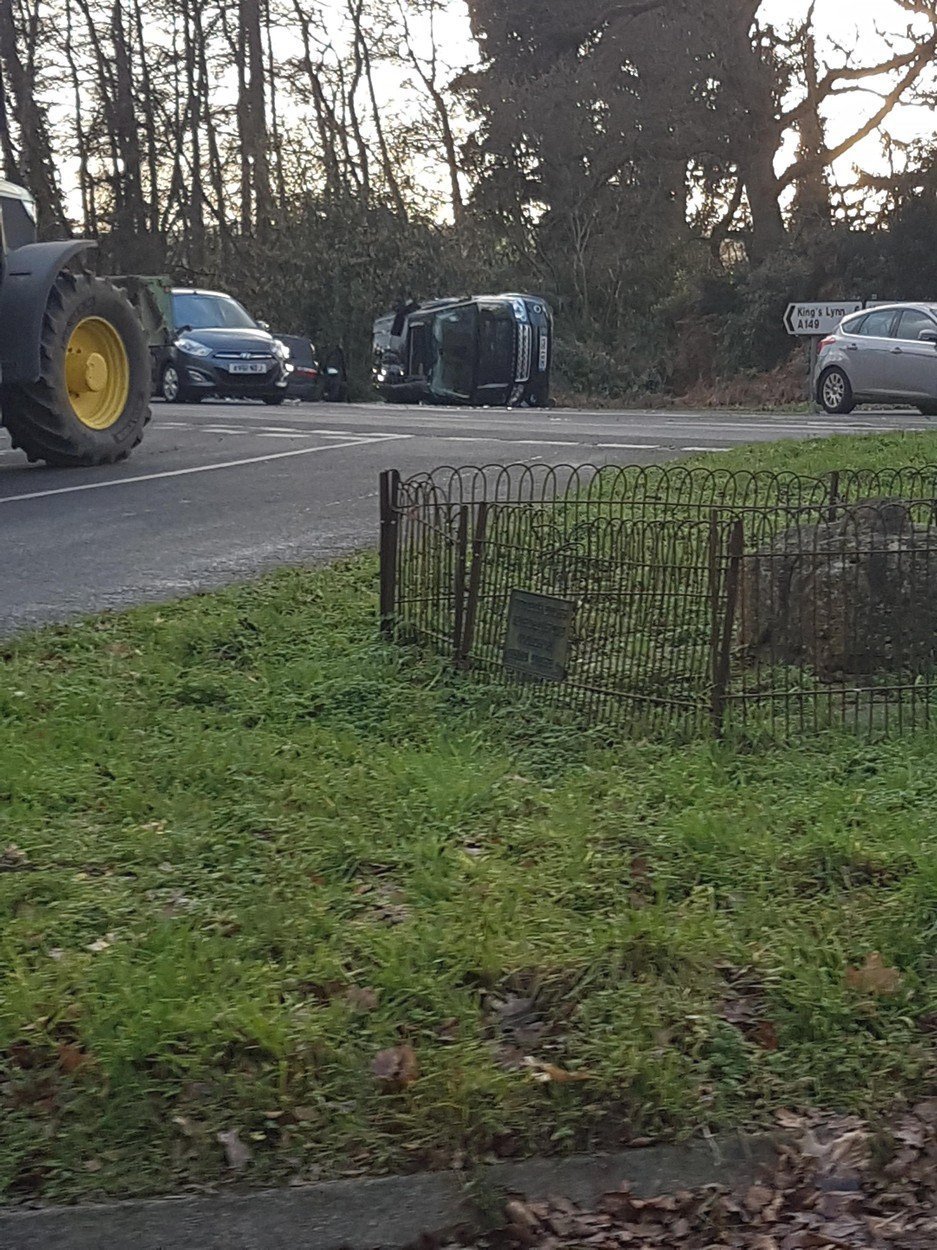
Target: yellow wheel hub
97, 373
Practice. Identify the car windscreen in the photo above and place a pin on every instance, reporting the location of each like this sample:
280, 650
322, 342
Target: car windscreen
455, 343
210, 312
496, 335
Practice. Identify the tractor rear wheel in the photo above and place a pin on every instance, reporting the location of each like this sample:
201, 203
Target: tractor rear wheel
93, 399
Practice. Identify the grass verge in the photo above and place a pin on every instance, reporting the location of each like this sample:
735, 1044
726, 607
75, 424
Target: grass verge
279, 901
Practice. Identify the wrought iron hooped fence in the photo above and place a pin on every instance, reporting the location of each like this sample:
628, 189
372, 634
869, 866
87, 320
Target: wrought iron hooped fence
675, 597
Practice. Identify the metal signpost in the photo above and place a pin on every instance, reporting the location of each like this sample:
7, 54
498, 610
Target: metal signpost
814, 321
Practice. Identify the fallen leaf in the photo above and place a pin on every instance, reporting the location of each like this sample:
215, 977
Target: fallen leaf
185, 1125
520, 1215
874, 977
396, 1068
13, 857
547, 1073
71, 1058
764, 1035
361, 998
93, 1165
757, 1197
640, 868
926, 1110
236, 1153
305, 1114
102, 943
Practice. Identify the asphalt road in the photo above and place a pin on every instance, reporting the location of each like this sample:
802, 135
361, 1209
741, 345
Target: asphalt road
221, 491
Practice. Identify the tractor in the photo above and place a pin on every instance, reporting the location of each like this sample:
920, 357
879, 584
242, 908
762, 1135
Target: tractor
74, 361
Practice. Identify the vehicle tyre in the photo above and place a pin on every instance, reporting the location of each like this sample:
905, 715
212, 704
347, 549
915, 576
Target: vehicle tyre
835, 392
92, 402
927, 410
274, 400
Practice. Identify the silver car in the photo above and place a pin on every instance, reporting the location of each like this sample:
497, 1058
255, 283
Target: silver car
883, 355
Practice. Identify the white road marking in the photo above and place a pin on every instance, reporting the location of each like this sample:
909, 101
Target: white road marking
514, 442
628, 446
709, 448
201, 468
282, 434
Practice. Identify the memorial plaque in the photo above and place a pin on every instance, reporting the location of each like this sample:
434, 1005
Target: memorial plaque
537, 641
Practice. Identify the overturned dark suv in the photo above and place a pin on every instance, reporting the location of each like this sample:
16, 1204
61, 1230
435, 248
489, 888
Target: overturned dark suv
493, 350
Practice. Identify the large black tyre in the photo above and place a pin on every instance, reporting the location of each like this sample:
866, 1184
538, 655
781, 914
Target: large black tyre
834, 392
274, 400
927, 410
40, 416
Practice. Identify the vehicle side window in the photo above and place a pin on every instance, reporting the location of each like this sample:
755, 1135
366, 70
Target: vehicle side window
911, 322
878, 324
853, 325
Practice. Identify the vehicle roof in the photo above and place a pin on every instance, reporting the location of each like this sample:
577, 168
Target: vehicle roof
928, 305
13, 191
198, 290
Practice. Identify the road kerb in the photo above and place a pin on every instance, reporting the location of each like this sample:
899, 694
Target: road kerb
385, 1213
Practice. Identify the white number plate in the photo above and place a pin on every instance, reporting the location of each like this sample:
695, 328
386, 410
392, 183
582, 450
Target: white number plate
245, 366
544, 352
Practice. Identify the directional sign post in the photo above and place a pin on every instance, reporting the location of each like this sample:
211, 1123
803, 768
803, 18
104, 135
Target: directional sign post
813, 321
817, 320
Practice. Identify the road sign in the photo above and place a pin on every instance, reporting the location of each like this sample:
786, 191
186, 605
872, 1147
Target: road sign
816, 320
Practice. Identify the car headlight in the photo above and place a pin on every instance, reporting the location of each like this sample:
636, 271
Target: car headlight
191, 347
280, 350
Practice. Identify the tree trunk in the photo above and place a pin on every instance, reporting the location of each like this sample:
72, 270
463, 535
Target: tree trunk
36, 162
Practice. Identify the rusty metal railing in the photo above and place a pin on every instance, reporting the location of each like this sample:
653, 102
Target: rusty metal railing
692, 599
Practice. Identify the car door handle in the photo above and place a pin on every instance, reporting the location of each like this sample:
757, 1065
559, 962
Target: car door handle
852, 347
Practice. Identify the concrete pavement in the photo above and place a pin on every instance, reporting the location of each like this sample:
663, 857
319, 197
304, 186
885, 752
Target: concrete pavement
218, 492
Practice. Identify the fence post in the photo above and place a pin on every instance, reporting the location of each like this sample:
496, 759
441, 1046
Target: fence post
390, 522
722, 670
463, 659
458, 589
834, 495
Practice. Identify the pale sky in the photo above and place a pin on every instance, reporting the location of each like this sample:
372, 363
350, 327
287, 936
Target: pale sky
853, 24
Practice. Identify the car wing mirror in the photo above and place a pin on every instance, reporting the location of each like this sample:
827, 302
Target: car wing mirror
928, 336
265, 325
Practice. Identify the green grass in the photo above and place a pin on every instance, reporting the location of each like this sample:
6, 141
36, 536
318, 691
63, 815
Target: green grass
222, 815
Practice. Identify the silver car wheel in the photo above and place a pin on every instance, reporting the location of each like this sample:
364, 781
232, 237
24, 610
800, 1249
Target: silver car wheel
170, 385
834, 390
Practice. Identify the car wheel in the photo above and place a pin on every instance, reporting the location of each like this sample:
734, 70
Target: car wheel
274, 400
927, 410
835, 391
172, 390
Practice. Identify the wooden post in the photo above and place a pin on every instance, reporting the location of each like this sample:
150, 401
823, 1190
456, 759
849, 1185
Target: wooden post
390, 525
715, 609
722, 670
458, 589
464, 657
813, 351
834, 495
